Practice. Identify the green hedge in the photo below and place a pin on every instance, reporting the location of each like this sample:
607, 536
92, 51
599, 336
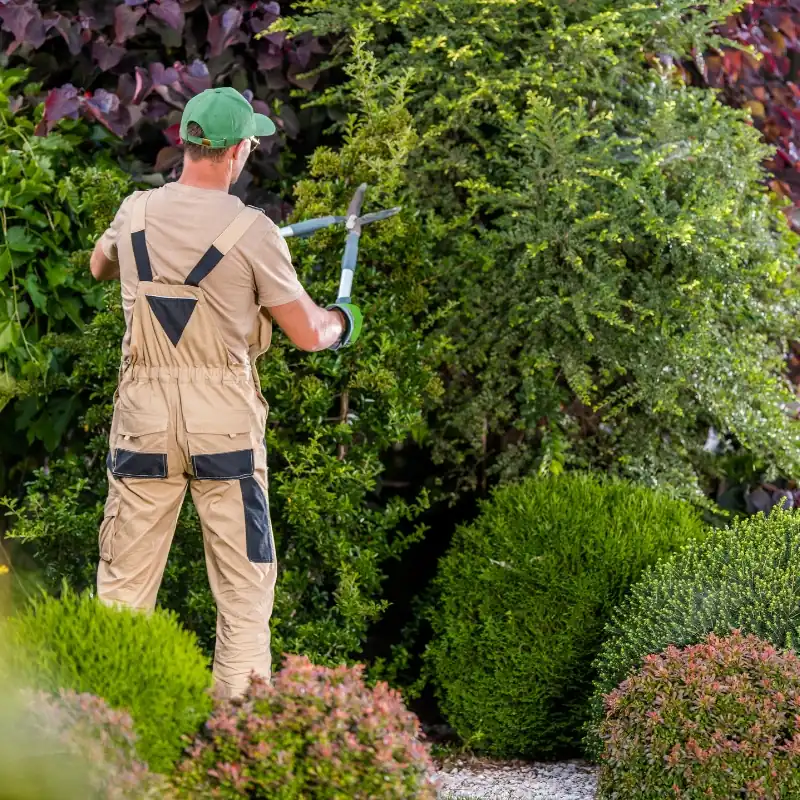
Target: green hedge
744, 577
525, 591
147, 665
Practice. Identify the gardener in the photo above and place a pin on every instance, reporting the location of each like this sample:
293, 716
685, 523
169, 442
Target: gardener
202, 276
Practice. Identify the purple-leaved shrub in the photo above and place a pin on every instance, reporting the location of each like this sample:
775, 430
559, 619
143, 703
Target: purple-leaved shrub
720, 719
315, 732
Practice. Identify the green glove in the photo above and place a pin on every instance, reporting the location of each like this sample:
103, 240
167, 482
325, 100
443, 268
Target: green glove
354, 320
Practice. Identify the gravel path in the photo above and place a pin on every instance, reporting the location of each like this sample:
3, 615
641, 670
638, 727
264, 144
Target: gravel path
567, 780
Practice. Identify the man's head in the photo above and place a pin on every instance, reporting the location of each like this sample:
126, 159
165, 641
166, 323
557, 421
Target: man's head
219, 129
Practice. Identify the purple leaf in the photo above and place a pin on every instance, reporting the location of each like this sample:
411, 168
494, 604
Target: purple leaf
144, 85
260, 107
171, 95
157, 108
301, 55
223, 30
163, 76
169, 12
196, 78
269, 57
277, 38
126, 89
106, 109
73, 32
126, 19
291, 124
15, 103
103, 102
16, 18
300, 77
60, 103
135, 2
105, 55
248, 95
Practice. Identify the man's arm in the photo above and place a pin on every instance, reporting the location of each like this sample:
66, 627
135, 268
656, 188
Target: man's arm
309, 326
102, 267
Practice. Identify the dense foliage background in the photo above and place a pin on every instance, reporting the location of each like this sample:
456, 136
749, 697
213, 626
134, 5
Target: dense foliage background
590, 271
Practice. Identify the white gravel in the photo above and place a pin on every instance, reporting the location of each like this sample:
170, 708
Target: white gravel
566, 780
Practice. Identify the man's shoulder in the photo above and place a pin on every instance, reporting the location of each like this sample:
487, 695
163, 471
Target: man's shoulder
262, 223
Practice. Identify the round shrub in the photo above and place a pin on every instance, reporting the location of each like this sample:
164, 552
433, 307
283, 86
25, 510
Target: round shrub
714, 720
146, 664
70, 747
744, 577
525, 591
316, 733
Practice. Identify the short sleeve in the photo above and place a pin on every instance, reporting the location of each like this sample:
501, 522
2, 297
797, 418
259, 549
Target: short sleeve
108, 241
275, 276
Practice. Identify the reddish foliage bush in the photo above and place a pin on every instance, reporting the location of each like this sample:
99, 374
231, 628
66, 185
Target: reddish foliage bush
719, 719
316, 732
101, 738
131, 65
768, 86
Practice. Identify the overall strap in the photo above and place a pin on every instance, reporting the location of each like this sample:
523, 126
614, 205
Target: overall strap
223, 244
138, 241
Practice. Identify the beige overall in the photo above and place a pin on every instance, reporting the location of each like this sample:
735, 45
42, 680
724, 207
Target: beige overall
186, 414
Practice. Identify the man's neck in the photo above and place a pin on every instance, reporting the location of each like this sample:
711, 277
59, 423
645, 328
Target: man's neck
205, 176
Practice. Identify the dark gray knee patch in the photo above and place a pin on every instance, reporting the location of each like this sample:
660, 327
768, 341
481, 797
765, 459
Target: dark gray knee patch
258, 527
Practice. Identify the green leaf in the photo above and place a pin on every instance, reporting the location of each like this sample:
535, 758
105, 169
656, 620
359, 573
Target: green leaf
5, 263
31, 283
20, 240
8, 334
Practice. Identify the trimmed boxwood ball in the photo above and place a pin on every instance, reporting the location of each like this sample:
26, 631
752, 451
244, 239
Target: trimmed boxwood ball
145, 664
524, 593
744, 577
714, 720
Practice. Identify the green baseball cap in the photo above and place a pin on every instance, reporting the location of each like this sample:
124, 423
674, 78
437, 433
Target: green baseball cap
226, 118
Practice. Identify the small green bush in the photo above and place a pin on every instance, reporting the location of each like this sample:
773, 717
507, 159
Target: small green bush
744, 577
525, 592
316, 733
145, 664
715, 720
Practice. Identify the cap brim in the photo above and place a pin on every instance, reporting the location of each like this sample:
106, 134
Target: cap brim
264, 125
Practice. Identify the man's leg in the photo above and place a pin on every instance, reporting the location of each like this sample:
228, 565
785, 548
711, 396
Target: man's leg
135, 537
242, 569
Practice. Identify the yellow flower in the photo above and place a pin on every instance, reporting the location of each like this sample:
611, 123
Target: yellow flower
4, 569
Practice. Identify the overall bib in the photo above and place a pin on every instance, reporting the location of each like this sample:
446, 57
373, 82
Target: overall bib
186, 414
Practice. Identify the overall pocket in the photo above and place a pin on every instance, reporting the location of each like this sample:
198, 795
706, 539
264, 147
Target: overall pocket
220, 444
109, 526
140, 444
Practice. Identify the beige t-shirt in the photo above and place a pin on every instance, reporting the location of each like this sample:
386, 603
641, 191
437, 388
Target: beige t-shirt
181, 223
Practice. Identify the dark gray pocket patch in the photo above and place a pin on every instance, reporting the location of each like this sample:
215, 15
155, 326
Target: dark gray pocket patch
258, 527
223, 466
128, 464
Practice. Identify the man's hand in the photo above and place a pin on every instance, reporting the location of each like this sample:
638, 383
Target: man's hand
310, 327
101, 266
354, 318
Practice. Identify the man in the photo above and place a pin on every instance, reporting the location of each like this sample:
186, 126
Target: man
202, 277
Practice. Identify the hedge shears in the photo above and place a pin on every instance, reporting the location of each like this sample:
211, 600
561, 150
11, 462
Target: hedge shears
354, 223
